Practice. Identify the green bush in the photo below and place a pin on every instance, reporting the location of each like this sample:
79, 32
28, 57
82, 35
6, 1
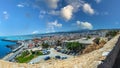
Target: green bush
74, 46
26, 56
45, 45
97, 40
88, 37
112, 33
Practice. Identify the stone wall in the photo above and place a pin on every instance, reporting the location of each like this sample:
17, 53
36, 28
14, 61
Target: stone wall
110, 59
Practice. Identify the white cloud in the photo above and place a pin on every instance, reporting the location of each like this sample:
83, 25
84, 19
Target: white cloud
52, 3
4, 12
88, 9
20, 5
53, 12
67, 12
42, 13
84, 25
50, 29
55, 24
5, 15
97, 1
35, 32
76, 4
52, 25
72, 7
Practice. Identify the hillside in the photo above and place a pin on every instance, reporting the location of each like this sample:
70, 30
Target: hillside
90, 60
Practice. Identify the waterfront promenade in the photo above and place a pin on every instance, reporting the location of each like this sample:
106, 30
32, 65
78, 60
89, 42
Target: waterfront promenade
14, 53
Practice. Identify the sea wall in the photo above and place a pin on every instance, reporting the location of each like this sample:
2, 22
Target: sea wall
110, 59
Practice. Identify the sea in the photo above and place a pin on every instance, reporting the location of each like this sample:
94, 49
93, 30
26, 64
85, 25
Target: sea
5, 50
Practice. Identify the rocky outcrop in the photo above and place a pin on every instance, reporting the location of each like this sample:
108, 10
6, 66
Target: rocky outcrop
90, 60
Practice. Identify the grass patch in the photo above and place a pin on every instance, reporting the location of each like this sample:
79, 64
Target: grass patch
22, 59
26, 56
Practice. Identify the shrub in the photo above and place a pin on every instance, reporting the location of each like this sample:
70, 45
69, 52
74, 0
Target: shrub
74, 46
112, 33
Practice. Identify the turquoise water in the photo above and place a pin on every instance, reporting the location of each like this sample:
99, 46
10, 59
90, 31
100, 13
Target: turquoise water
23, 37
3, 49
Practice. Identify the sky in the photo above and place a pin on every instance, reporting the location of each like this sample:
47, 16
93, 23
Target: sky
22, 17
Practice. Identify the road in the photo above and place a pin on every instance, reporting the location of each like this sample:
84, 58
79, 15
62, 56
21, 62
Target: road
12, 55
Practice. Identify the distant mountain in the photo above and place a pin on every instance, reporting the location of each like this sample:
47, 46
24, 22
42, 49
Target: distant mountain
62, 32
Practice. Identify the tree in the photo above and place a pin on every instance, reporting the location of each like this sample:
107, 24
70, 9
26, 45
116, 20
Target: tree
112, 33
58, 43
88, 37
74, 46
96, 40
45, 45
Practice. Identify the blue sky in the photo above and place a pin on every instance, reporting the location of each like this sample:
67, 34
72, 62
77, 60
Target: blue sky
19, 17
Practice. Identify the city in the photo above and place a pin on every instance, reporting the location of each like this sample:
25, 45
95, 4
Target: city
59, 46
59, 34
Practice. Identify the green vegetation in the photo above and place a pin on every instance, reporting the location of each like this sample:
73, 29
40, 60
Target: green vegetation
37, 53
96, 40
74, 46
112, 33
26, 56
45, 45
24, 59
88, 37
58, 43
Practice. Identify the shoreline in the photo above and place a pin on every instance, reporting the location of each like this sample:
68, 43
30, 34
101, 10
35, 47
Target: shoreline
90, 60
13, 53
11, 46
9, 40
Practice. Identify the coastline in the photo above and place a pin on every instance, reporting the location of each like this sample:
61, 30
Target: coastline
12, 46
13, 53
6, 47
90, 60
9, 40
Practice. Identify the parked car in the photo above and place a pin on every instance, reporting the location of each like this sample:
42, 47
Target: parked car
47, 58
63, 58
45, 52
57, 57
31, 63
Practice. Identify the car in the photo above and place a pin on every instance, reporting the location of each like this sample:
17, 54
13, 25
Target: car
47, 58
31, 63
57, 57
58, 50
63, 58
